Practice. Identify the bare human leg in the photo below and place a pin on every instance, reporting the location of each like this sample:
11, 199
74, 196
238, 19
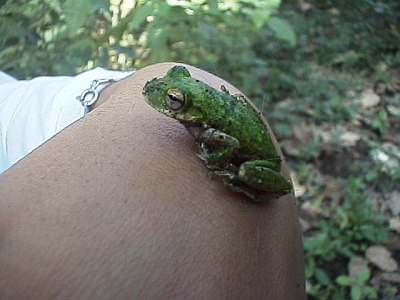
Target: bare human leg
118, 206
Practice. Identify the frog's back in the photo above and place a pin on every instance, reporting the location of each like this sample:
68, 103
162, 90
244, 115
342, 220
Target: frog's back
238, 118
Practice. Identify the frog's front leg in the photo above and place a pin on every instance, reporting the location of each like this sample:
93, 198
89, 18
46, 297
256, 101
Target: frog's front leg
217, 148
264, 176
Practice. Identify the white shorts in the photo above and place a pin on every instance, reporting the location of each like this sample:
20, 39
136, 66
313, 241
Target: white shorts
32, 111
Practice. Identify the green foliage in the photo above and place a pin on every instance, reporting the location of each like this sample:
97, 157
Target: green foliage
380, 121
353, 34
358, 286
64, 36
39, 41
202, 30
283, 30
347, 229
338, 43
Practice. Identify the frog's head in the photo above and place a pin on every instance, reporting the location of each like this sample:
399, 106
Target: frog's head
172, 94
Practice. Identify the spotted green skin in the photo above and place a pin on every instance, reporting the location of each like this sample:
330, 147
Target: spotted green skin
233, 140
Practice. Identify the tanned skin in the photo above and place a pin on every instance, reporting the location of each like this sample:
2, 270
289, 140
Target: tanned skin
118, 206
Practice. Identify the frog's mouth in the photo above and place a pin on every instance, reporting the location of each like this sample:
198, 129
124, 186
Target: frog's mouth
152, 86
180, 116
153, 93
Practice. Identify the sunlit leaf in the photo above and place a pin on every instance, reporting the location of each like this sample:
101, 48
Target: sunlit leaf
321, 276
259, 17
283, 30
363, 275
103, 4
213, 4
355, 293
343, 280
76, 13
140, 14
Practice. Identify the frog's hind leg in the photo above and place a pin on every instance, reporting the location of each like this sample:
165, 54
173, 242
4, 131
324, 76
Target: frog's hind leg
262, 183
264, 176
250, 192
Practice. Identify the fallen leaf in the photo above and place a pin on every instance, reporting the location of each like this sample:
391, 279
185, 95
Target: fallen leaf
382, 67
391, 277
369, 98
303, 132
319, 178
394, 81
310, 209
322, 132
377, 203
381, 257
334, 190
305, 225
380, 88
299, 190
356, 265
394, 224
391, 149
394, 202
291, 147
393, 110
334, 11
304, 6
349, 139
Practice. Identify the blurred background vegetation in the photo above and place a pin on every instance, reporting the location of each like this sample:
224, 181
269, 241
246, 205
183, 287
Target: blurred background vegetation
325, 73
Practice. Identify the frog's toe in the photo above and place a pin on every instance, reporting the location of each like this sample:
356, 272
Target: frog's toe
224, 174
269, 196
238, 187
212, 174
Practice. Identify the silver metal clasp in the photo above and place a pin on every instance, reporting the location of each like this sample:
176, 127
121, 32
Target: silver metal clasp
89, 96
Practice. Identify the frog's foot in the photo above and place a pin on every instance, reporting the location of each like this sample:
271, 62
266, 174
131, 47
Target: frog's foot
216, 148
204, 155
228, 174
230, 180
258, 175
239, 187
269, 196
254, 194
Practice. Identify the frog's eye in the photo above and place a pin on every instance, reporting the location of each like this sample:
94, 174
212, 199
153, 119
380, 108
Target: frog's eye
174, 99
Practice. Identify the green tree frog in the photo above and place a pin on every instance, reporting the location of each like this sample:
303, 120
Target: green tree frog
233, 140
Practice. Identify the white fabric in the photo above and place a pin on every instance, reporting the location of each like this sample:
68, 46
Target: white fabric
32, 111
5, 78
